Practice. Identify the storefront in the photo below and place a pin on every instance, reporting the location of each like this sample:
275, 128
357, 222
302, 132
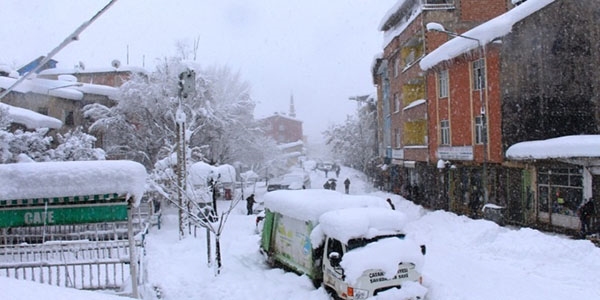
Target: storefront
564, 171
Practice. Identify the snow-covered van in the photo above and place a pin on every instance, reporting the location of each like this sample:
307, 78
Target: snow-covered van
353, 245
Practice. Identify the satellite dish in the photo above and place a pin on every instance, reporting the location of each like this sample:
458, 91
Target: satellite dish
115, 63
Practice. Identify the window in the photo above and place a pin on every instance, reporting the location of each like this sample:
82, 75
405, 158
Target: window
560, 189
445, 132
396, 67
479, 74
397, 137
415, 133
396, 103
43, 110
335, 246
69, 119
443, 81
479, 129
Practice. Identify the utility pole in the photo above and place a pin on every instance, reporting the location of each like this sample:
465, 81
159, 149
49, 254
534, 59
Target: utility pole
72, 37
187, 86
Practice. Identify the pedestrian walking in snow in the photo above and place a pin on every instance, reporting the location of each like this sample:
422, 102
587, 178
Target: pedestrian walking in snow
389, 201
326, 185
347, 185
585, 212
250, 203
337, 171
332, 184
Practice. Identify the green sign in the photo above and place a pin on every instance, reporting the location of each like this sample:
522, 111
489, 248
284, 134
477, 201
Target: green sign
62, 215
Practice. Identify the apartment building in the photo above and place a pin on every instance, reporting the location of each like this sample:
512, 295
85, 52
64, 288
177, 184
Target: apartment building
408, 165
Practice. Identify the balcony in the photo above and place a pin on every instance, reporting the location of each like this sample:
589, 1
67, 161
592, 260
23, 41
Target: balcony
438, 4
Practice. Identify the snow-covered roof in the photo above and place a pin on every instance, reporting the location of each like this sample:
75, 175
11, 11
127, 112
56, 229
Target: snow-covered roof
485, 33
281, 115
573, 146
73, 178
59, 71
392, 26
6, 69
59, 88
290, 145
310, 204
30, 119
391, 14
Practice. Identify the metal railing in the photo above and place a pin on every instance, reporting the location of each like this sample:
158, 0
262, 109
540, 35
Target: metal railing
76, 264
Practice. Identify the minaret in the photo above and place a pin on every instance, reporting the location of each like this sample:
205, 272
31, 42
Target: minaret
292, 109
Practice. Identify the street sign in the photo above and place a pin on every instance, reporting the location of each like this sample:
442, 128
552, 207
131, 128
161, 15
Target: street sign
62, 214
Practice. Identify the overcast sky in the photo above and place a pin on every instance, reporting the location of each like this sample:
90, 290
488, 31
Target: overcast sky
319, 51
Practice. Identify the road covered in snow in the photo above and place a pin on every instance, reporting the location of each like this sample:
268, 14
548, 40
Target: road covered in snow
466, 259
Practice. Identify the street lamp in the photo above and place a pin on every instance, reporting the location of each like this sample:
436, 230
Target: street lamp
440, 28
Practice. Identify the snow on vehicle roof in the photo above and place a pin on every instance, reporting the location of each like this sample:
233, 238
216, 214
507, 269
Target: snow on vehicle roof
384, 255
73, 178
310, 204
357, 222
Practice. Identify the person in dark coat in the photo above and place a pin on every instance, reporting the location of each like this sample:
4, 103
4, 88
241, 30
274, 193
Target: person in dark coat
332, 185
585, 212
250, 203
389, 201
347, 185
326, 185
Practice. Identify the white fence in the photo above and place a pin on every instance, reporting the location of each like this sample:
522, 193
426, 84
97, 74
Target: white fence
76, 264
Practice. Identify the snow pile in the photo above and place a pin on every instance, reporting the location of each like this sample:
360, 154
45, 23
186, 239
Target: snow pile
384, 255
408, 291
309, 205
201, 172
73, 178
561, 147
30, 119
27, 290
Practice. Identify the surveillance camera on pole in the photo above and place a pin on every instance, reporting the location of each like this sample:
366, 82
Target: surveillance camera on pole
187, 83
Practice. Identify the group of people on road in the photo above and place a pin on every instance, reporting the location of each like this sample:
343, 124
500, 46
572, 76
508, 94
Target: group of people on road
331, 184
335, 168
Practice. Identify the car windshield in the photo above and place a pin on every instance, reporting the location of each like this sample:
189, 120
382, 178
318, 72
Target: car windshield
361, 242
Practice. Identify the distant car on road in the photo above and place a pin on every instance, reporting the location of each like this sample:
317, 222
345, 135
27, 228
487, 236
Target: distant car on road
290, 181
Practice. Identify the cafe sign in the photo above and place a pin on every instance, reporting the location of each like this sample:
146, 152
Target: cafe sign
62, 215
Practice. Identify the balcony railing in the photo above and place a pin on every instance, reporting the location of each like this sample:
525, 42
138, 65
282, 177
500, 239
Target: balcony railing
438, 4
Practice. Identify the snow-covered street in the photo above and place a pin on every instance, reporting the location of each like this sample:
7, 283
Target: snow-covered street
466, 259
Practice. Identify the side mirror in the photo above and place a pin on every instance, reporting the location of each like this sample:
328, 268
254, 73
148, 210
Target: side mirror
423, 249
334, 259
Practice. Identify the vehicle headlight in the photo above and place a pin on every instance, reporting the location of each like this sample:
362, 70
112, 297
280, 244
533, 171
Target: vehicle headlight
360, 294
